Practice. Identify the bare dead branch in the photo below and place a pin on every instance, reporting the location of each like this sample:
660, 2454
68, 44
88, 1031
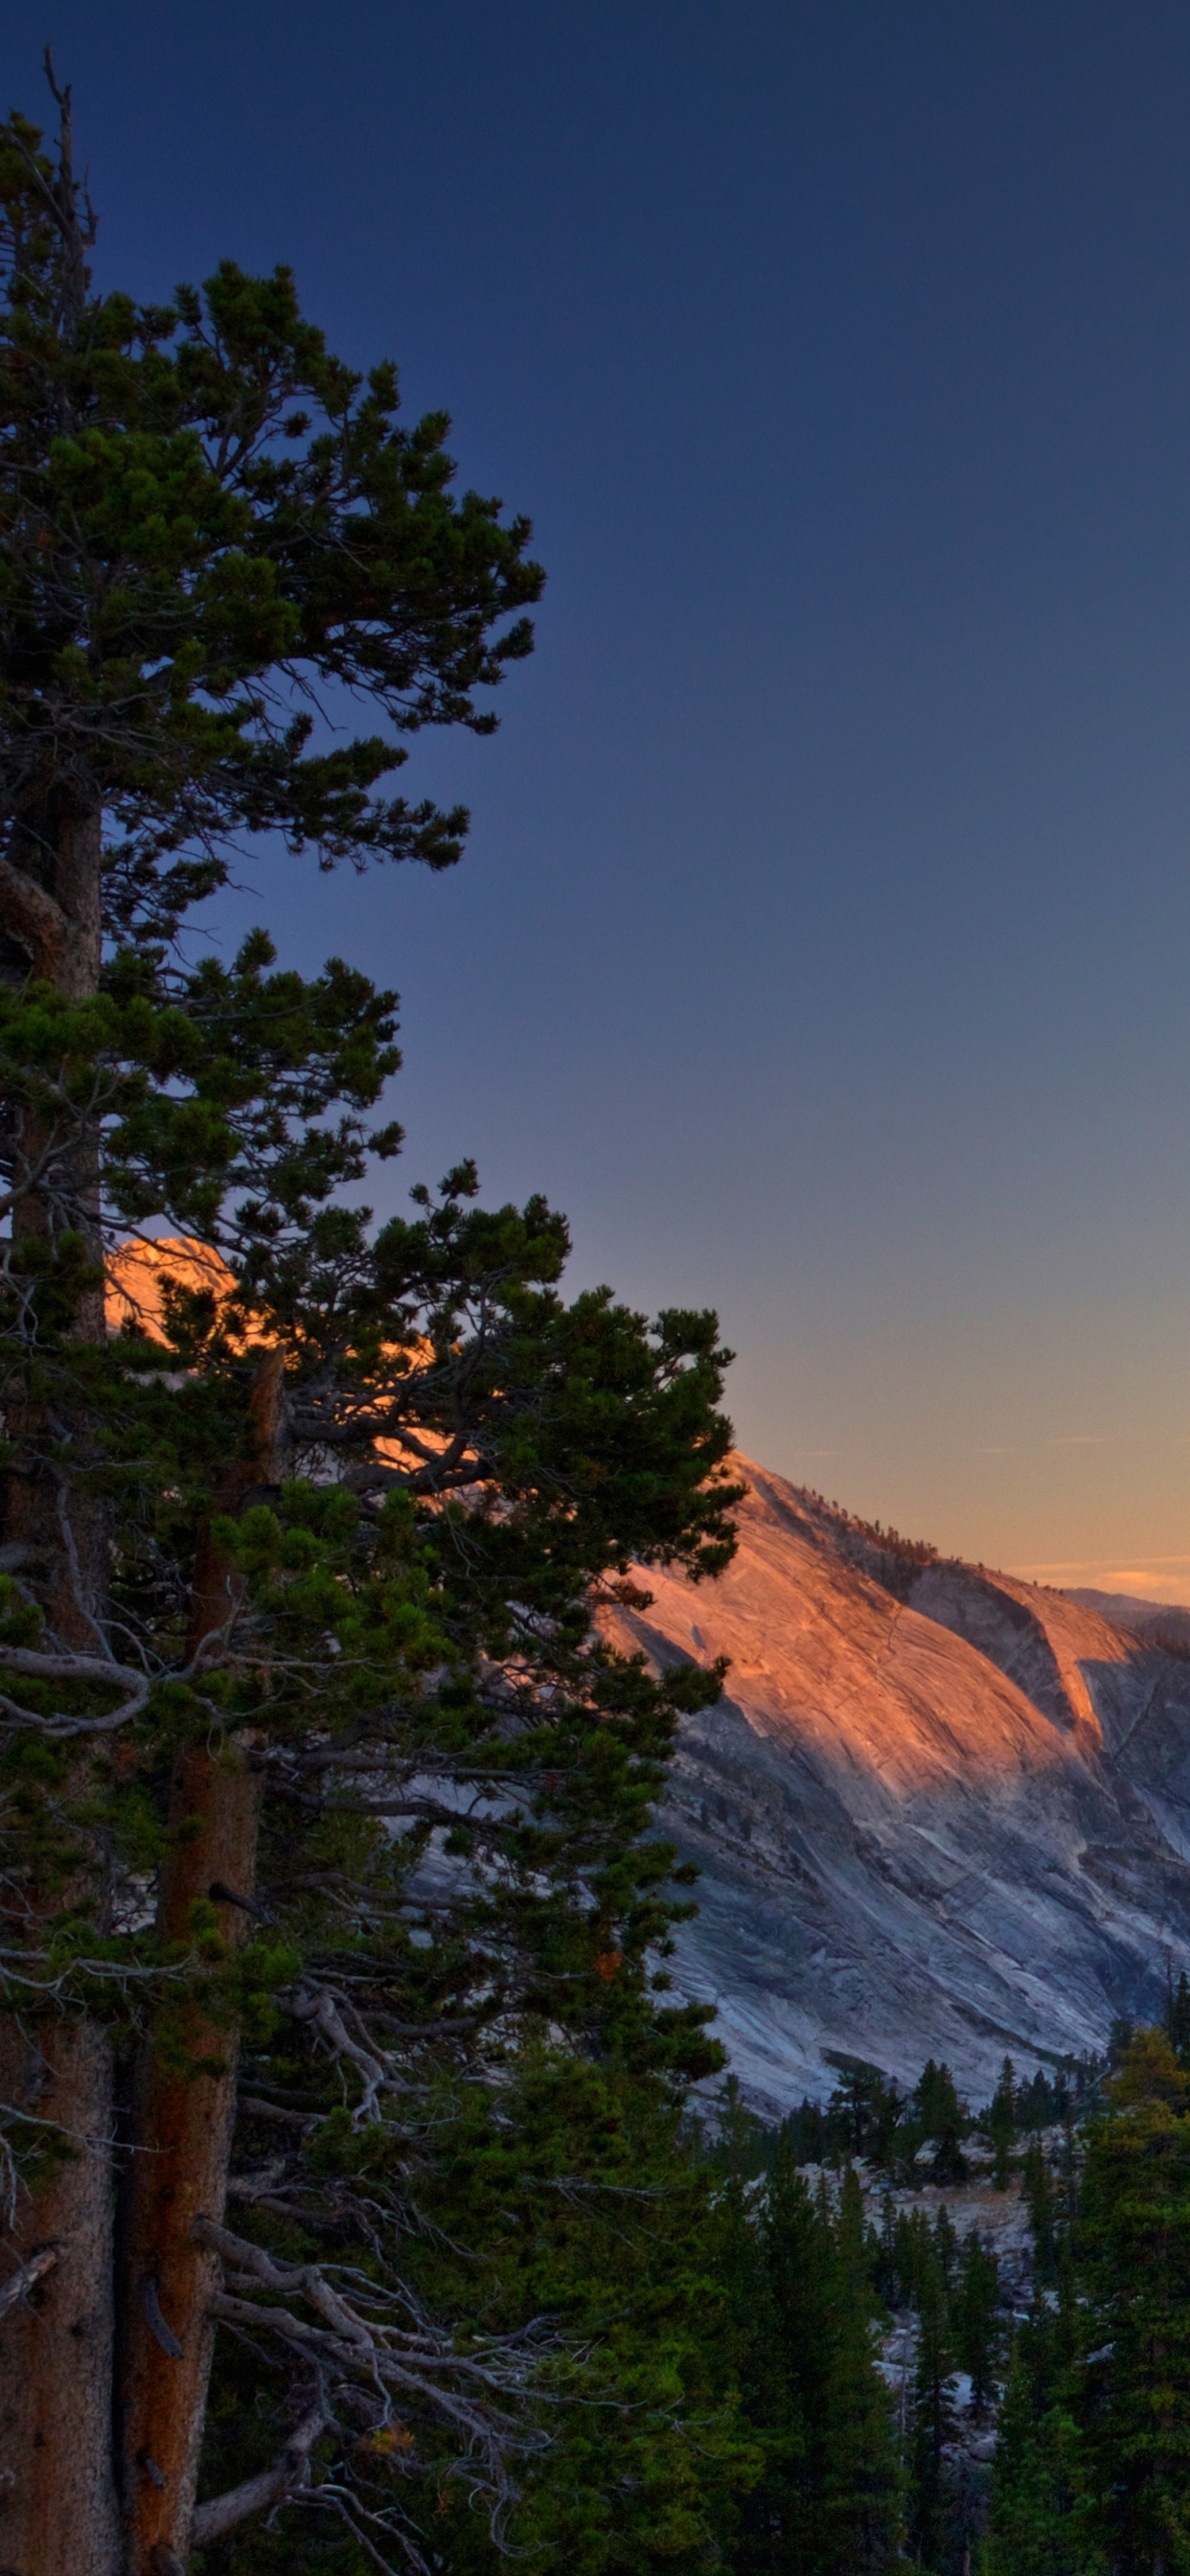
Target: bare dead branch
75, 1668
20, 2282
290, 2470
375, 2068
252, 2106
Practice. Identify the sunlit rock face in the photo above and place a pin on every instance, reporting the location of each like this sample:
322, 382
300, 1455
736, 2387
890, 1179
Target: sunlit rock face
939, 1811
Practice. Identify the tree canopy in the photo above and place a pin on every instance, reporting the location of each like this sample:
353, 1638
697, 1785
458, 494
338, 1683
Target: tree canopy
335, 1919
208, 523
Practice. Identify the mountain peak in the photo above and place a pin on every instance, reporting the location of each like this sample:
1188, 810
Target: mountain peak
939, 1811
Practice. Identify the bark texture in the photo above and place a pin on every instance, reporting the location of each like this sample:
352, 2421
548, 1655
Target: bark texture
58, 2505
183, 2134
51, 895
186, 2111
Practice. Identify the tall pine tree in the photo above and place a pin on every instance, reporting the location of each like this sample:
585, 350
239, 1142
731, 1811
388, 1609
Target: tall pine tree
830, 2499
327, 1854
1135, 2232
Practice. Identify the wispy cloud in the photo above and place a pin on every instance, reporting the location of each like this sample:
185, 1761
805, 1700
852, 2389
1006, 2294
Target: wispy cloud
1159, 1579
1097, 1565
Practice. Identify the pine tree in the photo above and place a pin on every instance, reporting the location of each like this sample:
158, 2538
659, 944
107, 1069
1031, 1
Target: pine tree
863, 2112
1002, 2124
1041, 2509
940, 2117
1093, 2464
933, 2417
754, 2347
201, 513
1037, 2526
327, 1812
1177, 2018
861, 2500
797, 2239
946, 2248
1135, 2226
975, 2311
912, 2248
1040, 2199
835, 2504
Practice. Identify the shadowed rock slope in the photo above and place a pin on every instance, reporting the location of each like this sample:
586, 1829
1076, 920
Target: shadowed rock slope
939, 1811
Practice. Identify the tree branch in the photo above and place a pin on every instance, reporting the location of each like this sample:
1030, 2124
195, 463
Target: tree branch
42, 2260
74, 1668
290, 2469
39, 923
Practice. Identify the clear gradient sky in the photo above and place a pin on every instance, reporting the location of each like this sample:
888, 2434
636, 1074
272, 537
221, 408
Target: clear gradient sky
823, 941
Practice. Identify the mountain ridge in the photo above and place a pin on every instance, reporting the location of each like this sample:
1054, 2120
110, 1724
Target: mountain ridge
1128, 1610
938, 1810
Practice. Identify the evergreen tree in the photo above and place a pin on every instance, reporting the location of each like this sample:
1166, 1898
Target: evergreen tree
327, 1812
860, 2500
1037, 2526
806, 2133
1135, 2226
946, 2248
940, 2117
1177, 2018
863, 2112
975, 2310
796, 2238
754, 2348
829, 2500
1002, 2124
1119, 2041
1040, 2198
933, 2417
1093, 2465
912, 2249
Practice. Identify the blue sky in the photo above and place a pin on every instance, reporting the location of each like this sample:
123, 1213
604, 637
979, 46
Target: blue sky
823, 943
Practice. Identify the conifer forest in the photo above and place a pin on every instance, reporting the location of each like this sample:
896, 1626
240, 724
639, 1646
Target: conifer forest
371, 2199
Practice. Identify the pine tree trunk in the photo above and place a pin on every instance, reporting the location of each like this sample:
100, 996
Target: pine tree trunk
58, 2506
186, 2110
183, 2130
57, 2498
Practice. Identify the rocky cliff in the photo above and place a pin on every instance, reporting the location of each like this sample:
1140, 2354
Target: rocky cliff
939, 1811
